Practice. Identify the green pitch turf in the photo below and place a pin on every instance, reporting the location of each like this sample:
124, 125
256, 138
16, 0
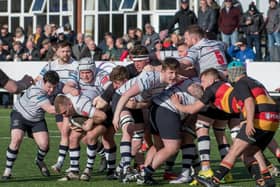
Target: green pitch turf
26, 173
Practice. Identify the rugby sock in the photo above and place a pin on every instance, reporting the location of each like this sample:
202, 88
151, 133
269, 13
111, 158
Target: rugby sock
91, 154
11, 156
110, 155
223, 149
41, 154
188, 154
170, 163
222, 171
100, 149
204, 151
265, 174
74, 159
196, 162
254, 170
278, 157
149, 170
62, 151
125, 150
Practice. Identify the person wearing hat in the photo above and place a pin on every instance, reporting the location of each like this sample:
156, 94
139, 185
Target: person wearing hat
184, 17
241, 52
259, 121
252, 22
228, 22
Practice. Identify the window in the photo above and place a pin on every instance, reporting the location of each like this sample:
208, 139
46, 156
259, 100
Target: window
116, 4
89, 25
104, 27
147, 5
89, 5
27, 5
164, 21
16, 4
67, 5
14, 23
145, 19
54, 5
67, 19
128, 5
54, 20
117, 25
104, 5
38, 6
3, 6
131, 21
3, 20
166, 4
41, 20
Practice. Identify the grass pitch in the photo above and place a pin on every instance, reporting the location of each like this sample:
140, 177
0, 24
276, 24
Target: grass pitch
26, 173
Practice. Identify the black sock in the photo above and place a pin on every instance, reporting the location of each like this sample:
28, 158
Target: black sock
220, 173
254, 171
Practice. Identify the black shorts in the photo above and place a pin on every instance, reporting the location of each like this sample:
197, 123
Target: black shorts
137, 114
217, 114
58, 118
261, 138
165, 123
107, 123
19, 122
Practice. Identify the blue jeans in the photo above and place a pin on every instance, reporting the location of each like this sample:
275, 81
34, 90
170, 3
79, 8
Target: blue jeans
254, 40
273, 38
230, 39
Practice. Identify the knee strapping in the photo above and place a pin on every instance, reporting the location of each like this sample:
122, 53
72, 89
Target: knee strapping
189, 131
138, 135
234, 132
126, 120
200, 124
219, 129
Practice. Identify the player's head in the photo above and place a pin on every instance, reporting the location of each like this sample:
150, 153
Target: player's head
140, 57
209, 76
169, 71
182, 49
196, 90
64, 51
51, 79
119, 75
63, 106
193, 35
235, 70
87, 69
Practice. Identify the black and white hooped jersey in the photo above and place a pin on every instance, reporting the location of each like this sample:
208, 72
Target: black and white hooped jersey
29, 104
180, 89
82, 105
207, 54
149, 84
67, 72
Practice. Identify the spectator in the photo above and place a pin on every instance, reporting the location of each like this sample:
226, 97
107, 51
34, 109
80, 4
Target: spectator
92, 51
155, 55
273, 24
46, 35
253, 23
228, 23
110, 52
37, 34
20, 36
184, 17
121, 51
3, 53
241, 52
206, 17
79, 47
216, 8
6, 37
69, 34
150, 37
102, 44
30, 52
139, 35
47, 52
17, 51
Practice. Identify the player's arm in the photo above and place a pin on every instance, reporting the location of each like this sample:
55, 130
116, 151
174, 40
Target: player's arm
249, 105
190, 109
98, 118
133, 104
48, 107
133, 91
70, 87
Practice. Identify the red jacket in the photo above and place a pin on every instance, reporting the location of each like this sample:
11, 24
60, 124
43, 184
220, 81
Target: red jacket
228, 22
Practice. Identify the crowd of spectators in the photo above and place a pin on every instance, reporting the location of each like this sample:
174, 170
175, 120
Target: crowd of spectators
244, 30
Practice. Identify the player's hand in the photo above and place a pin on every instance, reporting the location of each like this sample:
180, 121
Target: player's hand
116, 123
250, 130
175, 99
99, 103
75, 92
88, 124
